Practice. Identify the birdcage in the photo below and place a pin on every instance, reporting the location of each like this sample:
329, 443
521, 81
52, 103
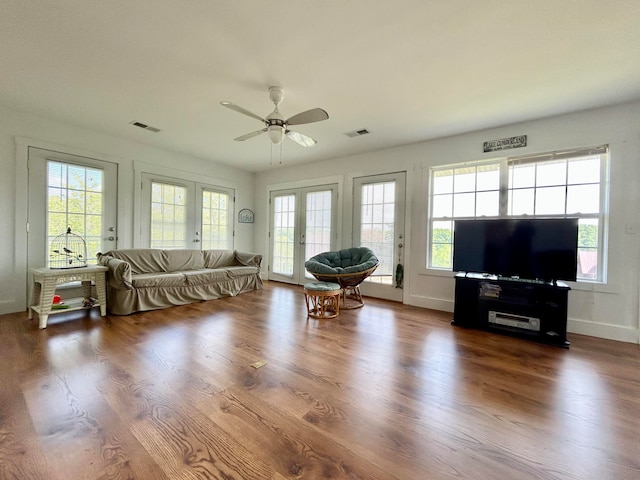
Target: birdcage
68, 250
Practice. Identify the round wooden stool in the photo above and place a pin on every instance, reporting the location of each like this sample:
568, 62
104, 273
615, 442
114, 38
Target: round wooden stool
322, 299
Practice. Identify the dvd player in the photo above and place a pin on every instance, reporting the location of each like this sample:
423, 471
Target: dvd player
515, 321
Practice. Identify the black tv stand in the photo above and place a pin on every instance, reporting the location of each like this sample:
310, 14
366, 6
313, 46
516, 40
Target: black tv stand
524, 308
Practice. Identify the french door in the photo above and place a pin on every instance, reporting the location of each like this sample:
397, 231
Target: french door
184, 214
303, 224
379, 210
70, 191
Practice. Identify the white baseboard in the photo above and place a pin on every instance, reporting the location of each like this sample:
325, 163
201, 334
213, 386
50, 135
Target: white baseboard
441, 304
574, 325
11, 306
603, 330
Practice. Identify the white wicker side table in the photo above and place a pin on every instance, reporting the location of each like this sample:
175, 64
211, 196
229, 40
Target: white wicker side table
46, 280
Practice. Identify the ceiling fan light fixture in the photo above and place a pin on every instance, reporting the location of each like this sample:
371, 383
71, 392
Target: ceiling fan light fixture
276, 134
276, 126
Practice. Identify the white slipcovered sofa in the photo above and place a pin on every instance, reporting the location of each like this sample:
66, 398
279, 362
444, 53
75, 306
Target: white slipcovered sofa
148, 279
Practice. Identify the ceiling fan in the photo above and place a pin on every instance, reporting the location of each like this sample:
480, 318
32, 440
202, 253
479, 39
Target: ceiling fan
275, 124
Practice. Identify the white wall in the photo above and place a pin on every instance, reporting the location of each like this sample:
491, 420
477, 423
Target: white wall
609, 311
19, 130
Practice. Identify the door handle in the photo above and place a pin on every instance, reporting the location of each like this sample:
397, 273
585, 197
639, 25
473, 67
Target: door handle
111, 239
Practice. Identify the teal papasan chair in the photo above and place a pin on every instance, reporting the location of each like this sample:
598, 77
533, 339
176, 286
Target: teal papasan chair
348, 268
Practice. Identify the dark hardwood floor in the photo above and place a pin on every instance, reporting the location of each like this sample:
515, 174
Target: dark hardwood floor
384, 392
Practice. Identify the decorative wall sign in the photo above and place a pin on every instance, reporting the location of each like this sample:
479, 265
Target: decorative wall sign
505, 143
245, 216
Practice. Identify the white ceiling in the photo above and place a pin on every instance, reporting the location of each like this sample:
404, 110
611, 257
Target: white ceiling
406, 70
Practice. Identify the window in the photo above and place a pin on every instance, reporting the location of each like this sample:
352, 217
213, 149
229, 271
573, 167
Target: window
178, 213
319, 223
75, 200
460, 192
560, 184
377, 227
284, 220
68, 190
303, 223
378, 223
215, 220
168, 215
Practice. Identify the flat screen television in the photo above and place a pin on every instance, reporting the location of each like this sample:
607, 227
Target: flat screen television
536, 248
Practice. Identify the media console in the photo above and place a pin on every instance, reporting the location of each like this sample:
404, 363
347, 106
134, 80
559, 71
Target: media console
524, 308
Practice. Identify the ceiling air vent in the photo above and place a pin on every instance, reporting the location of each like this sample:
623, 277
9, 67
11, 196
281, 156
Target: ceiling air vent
357, 133
146, 127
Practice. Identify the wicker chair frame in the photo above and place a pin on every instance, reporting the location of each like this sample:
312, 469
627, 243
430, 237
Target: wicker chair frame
350, 284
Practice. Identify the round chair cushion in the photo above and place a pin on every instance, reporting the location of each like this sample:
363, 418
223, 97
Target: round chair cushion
321, 287
349, 260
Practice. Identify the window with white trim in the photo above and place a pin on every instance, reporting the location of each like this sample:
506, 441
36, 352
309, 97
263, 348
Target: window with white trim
179, 213
75, 200
168, 215
556, 185
216, 220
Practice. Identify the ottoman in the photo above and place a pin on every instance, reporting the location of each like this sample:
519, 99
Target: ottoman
322, 299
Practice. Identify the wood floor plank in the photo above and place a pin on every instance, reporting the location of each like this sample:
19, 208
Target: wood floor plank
387, 391
178, 437
78, 430
21, 454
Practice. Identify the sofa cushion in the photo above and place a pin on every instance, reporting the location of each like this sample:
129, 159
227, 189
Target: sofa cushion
248, 259
147, 280
150, 260
143, 260
205, 276
181, 260
241, 271
218, 258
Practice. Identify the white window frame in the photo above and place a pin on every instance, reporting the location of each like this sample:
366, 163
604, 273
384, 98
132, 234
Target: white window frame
193, 224
503, 208
220, 241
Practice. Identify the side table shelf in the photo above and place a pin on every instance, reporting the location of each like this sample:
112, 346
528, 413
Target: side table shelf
46, 280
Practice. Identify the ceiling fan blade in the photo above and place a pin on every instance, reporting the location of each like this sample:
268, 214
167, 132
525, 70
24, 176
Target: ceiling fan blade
300, 138
310, 116
239, 109
247, 136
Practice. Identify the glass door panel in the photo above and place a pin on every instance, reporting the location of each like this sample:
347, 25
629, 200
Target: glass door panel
379, 225
318, 225
303, 224
216, 220
168, 216
183, 214
284, 233
70, 191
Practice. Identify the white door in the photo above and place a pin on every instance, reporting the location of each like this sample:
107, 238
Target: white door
379, 209
303, 224
185, 214
69, 191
